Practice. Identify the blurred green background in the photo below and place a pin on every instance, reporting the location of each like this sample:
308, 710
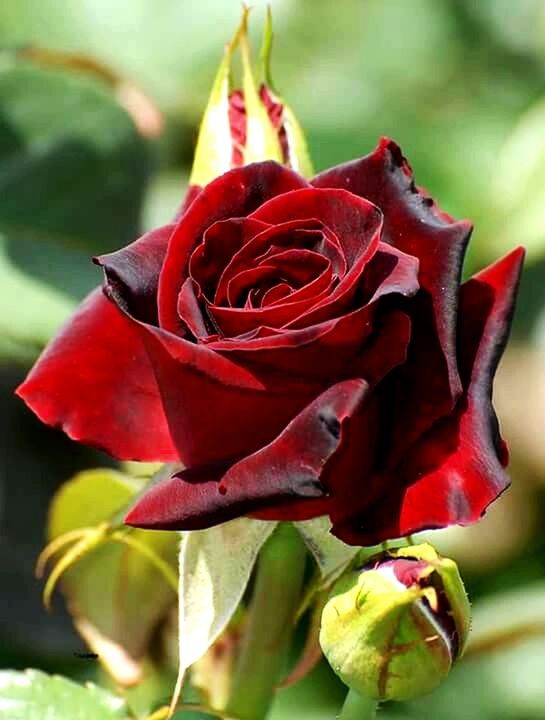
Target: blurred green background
89, 157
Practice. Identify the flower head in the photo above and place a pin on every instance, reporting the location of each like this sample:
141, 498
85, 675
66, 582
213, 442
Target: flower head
392, 629
304, 348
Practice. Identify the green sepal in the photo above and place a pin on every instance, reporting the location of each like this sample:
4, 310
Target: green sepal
384, 640
298, 154
213, 152
262, 141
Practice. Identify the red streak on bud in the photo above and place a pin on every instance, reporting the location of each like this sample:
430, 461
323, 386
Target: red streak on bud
276, 115
407, 571
238, 123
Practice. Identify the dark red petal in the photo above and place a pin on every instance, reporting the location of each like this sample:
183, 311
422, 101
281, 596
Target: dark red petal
353, 219
304, 234
355, 224
190, 311
457, 469
274, 294
288, 469
414, 224
216, 409
320, 287
206, 395
291, 265
324, 350
234, 194
388, 271
221, 241
318, 352
95, 382
296, 267
385, 350
133, 272
348, 473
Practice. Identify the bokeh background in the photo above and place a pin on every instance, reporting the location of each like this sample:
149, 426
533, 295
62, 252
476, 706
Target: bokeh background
90, 155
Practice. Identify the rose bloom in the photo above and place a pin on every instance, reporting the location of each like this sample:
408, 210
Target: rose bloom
301, 349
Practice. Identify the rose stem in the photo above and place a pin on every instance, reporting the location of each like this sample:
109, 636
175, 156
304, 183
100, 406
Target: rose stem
277, 592
358, 707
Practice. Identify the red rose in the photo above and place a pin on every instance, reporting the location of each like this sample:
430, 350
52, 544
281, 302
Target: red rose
303, 349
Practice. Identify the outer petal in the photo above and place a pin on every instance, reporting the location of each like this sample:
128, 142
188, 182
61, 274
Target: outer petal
414, 224
457, 469
288, 469
133, 272
216, 409
95, 381
348, 477
237, 193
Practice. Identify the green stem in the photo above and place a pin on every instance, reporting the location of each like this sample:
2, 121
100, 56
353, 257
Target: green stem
358, 707
277, 592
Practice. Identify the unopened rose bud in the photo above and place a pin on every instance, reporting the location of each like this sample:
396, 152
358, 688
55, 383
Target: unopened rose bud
247, 124
392, 629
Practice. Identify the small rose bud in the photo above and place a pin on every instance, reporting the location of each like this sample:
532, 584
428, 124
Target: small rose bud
247, 124
392, 629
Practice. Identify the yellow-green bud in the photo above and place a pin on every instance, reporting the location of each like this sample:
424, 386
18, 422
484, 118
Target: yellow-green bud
392, 629
248, 124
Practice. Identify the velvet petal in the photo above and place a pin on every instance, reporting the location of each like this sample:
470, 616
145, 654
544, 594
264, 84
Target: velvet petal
205, 395
215, 408
221, 241
95, 381
133, 272
457, 469
415, 225
348, 475
287, 469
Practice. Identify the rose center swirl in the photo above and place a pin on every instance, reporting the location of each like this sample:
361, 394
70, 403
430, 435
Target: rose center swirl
247, 274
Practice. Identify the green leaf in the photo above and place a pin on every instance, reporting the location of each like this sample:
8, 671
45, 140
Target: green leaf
73, 170
30, 311
33, 695
117, 593
331, 554
73, 167
215, 566
89, 498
